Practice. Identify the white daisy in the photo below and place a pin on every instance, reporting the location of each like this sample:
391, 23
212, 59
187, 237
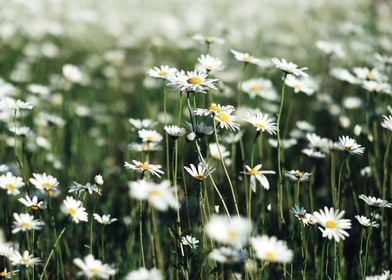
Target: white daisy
14, 105
149, 136
44, 183
262, 122
174, 131
141, 167
377, 87
75, 209
344, 75
247, 58
33, 203
208, 63
192, 81
226, 120
305, 85
214, 151
233, 231
333, 226
161, 196
375, 202
201, 172
25, 222
387, 122
227, 255
350, 145
11, 183
144, 274
366, 222
98, 180
162, 72
94, 268
331, 48
289, 67
260, 87
142, 123
26, 259
270, 249
104, 219
256, 173
190, 241
297, 175
364, 73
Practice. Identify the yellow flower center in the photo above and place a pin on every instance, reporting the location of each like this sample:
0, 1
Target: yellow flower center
72, 211
149, 138
199, 177
260, 125
253, 172
298, 174
213, 107
155, 192
270, 256
3, 274
297, 87
47, 185
330, 224
25, 225
223, 117
348, 148
370, 75
34, 207
232, 235
163, 73
94, 270
25, 261
248, 58
194, 81
143, 165
255, 88
11, 187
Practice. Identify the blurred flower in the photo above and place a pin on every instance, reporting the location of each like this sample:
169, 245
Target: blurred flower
333, 224
72, 73
270, 249
305, 85
94, 268
190, 241
375, 202
256, 173
247, 58
5, 274
174, 131
218, 151
233, 231
289, 67
227, 255
386, 275
25, 222
208, 39
364, 73
149, 136
260, 87
296, 175
44, 183
142, 124
144, 274
33, 204
141, 167
104, 219
11, 183
161, 196
26, 259
344, 75
162, 72
192, 81
209, 64
377, 87
14, 105
75, 209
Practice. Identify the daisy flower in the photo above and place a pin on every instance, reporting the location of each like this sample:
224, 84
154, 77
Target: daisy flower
262, 122
190, 241
226, 120
214, 151
256, 173
333, 226
301, 214
161, 196
208, 39
366, 222
162, 72
98, 180
93, 268
5, 274
386, 275
43, 182
201, 172
234, 231
375, 202
260, 87
104, 219
305, 85
364, 73
270, 249
8, 103
33, 203
141, 167
25, 222
209, 64
214, 109
227, 255
350, 145
72, 73
344, 75
174, 131
296, 175
192, 81
149, 136
90, 188
26, 259
289, 67
377, 87
75, 209
247, 58
142, 123
330, 48
387, 122
11, 183
144, 274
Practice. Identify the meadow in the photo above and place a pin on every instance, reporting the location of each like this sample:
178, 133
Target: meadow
150, 140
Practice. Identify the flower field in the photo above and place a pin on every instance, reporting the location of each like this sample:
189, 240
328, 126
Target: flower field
151, 140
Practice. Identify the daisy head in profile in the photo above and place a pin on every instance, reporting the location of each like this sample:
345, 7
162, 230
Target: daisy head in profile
12, 184
94, 268
74, 209
25, 222
288, 67
209, 64
142, 167
192, 81
144, 273
298, 176
201, 172
262, 122
234, 231
45, 183
32, 203
333, 226
350, 146
270, 249
375, 202
162, 72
